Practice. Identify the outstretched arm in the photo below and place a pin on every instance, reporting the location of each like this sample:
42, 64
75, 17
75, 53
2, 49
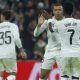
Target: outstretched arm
42, 23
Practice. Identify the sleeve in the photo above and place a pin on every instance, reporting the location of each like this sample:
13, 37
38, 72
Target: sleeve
39, 29
17, 36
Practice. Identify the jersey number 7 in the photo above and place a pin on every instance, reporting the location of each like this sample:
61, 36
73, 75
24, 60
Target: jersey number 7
72, 34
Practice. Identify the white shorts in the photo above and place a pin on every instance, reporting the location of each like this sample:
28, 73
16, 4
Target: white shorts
70, 66
50, 58
9, 65
66, 65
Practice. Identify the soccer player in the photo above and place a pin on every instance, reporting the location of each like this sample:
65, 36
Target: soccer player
9, 37
53, 46
69, 33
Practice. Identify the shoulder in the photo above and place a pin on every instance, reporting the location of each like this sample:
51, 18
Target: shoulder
49, 20
78, 20
13, 25
52, 20
65, 20
5, 24
8, 24
2, 24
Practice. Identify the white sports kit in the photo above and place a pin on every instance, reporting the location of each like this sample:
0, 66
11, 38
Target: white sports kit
53, 47
69, 33
9, 37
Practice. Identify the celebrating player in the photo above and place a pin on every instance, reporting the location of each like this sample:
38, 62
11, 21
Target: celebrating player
69, 33
53, 46
9, 37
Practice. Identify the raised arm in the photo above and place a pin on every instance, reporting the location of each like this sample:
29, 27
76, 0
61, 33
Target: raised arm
42, 23
40, 28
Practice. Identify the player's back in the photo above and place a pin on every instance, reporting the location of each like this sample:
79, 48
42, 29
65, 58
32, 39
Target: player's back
69, 30
7, 45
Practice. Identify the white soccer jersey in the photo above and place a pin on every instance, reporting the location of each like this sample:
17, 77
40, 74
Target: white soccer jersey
69, 32
53, 42
9, 36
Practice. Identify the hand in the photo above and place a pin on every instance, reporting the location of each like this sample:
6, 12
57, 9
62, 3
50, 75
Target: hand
23, 55
41, 20
46, 15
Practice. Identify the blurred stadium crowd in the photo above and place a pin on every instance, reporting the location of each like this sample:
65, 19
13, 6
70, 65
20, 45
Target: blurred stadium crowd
25, 15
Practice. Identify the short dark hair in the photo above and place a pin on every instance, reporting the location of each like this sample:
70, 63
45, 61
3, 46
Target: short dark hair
77, 4
68, 8
7, 14
56, 4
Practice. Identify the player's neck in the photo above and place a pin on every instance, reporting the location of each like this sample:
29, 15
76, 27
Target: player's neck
58, 18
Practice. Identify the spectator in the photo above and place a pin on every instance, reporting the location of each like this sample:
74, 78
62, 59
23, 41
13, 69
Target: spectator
77, 9
3, 4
